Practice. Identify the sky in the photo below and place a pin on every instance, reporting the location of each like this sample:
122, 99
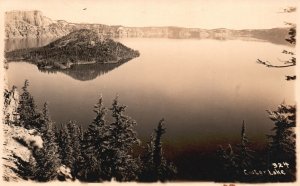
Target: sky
233, 14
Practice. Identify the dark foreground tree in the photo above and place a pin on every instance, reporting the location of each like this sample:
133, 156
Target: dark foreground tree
282, 143
47, 158
94, 166
228, 166
29, 116
44, 162
62, 142
122, 139
244, 153
154, 165
71, 147
234, 162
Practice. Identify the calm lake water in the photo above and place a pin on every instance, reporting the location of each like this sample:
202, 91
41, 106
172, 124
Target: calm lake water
203, 88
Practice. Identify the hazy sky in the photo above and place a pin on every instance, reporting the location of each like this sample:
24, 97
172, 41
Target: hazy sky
235, 14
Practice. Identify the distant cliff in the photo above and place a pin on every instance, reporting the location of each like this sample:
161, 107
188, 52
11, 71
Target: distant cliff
24, 24
79, 47
32, 24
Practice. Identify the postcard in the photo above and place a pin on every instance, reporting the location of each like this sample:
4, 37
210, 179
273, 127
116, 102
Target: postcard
149, 91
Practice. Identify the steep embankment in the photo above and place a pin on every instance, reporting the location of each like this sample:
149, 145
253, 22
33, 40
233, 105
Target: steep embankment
82, 46
13, 150
18, 143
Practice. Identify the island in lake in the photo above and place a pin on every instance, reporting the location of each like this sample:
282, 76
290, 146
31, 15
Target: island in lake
79, 47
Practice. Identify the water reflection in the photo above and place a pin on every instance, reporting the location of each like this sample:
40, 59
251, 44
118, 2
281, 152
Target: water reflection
82, 72
15, 44
86, 72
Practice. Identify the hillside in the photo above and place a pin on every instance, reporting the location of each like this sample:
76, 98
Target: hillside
80, 47
32, 24
18, 142
13, 150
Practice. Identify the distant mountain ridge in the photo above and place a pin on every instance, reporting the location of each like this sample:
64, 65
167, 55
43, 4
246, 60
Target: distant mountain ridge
33, 24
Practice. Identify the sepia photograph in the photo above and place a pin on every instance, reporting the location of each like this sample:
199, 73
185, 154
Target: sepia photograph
161, 91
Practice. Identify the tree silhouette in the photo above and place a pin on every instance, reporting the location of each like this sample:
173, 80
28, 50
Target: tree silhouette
69, 143
122, 139
154, 165
233, 162
27, 110
95, 165
282, 143
62, 141
228, 164
47, 158
244, 153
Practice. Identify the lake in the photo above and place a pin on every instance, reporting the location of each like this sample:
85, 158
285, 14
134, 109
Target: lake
203, 88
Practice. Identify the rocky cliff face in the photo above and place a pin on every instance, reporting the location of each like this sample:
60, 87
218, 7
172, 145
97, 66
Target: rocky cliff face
32, 24
18, 142
12, 149
11, 102
23, 24
34, 18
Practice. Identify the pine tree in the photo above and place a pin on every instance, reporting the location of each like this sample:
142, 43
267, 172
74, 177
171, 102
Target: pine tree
244, 153
282, 143
73, 141
43, 162
95, 144
27, 109
148, 173
234, 162
157, 154
122, 139
47, 158
69, 143
155, 166
62, 142
229, 167
65, 147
